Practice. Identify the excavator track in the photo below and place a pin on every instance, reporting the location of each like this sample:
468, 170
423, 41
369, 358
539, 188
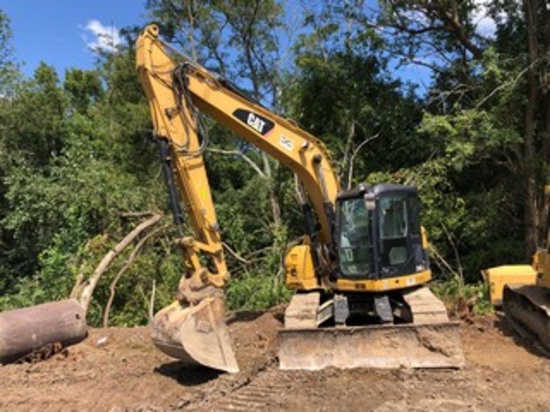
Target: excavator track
527, 307
425, 307
261, 392
431, 341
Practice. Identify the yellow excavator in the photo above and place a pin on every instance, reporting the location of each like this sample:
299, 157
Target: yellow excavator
523, 292
526, 293
359, 274
526, 304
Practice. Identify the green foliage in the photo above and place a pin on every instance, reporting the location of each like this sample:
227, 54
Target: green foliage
9, 72
366, 118
257, 291
463, 300
84, 88
75, 153
70, 175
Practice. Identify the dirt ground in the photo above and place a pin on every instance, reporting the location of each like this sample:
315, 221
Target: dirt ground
118, 369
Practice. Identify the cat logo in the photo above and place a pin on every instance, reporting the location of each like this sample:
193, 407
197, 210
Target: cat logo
256, 121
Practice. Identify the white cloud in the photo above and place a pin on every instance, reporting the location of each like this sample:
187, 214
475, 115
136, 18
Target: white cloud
104, 38
485, 25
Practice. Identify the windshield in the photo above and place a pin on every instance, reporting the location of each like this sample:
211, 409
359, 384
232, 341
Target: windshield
354, 240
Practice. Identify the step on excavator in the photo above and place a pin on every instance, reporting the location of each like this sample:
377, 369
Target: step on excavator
359, 274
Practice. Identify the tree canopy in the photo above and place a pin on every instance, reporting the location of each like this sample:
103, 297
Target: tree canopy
78, 168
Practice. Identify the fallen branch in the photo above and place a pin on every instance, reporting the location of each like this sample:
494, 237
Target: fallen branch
91, 283
131, 259
137, 214
236, 255
152, 301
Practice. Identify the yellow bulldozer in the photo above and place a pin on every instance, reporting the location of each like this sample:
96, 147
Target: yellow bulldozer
360, 273
523, 292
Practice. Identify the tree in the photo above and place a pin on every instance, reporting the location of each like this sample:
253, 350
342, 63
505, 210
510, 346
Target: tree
489, 88
84, 88
208, 30
9, 71
366, 118
8, 78
78, 163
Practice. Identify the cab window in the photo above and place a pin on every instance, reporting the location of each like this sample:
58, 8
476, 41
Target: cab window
354, 240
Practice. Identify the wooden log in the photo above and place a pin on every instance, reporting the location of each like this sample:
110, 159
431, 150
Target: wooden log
23, 331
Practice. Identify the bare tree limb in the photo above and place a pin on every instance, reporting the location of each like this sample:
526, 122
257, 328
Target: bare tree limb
439, 18
137, 214
242, 156
354, 155
504, 85
152, 301
456, 27
124, 268
235, 254
91, 283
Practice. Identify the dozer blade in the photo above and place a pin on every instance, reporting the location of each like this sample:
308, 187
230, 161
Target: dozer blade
196, 335
434, 345
527, 307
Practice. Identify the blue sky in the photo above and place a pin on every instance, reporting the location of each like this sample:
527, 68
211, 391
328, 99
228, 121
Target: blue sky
61, 32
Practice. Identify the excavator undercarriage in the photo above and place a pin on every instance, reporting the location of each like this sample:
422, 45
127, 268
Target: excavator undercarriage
525, 294
198, 335
428, 340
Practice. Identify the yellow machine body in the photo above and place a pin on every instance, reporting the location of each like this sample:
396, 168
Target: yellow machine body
498, 277
193, 328
526, 293
300, 272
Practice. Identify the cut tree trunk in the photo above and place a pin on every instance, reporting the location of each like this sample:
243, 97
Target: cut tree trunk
43, 329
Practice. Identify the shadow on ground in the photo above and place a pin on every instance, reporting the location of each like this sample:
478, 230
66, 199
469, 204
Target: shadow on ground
187, 375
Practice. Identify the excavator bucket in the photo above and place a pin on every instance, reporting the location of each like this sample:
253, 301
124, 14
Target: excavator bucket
383, 347
196, 335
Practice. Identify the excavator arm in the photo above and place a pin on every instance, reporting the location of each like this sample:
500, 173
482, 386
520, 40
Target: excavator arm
179, 91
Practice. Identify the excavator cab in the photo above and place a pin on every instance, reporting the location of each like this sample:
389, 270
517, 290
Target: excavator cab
383, 221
